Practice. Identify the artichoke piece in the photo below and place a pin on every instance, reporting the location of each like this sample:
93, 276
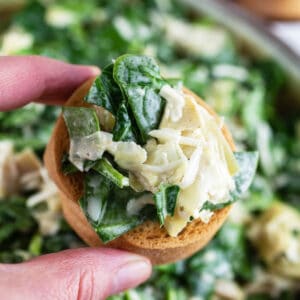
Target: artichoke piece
276, 235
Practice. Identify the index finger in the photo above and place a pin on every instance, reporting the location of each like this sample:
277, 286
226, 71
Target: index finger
24, 79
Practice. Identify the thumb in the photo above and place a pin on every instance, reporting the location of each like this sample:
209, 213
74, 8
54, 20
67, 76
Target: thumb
87, 273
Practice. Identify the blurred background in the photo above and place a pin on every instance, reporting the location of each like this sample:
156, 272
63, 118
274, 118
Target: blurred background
281, 16
229, 54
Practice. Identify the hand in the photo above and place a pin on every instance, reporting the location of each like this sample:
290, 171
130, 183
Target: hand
87, 273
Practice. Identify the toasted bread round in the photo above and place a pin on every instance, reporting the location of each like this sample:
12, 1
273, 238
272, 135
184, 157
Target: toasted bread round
148, 239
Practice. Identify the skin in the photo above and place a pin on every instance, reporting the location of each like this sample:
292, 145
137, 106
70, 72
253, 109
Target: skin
87, 273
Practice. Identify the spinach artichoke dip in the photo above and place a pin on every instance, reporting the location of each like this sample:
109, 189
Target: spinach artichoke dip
149, 150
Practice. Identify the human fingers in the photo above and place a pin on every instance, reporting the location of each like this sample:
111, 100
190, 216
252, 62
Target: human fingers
35, 78
87, 273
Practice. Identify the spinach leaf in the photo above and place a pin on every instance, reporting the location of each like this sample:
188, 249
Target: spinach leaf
29, 126
139, 80
94, 199
66, 166
105, 92
274, 78
225, 257
115, 224
35, 245
28, 115
15, 221
205, 268
104, 204
212, 206
247, 162
165, 200
233, 240
123, 129
61, 240
80, 121
129, 89
104, 167
116, 221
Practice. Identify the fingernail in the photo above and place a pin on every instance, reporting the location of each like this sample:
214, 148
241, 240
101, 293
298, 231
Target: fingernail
95, 70
130, 275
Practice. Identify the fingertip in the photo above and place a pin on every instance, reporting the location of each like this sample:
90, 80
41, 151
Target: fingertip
86, 71
95, 71
86, 273
114, 270
130, 275
24, 79
127, 270
72, 77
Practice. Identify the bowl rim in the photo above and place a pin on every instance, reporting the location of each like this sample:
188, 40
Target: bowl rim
255, 34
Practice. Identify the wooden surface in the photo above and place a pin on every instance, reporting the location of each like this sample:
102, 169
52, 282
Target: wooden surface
274, 9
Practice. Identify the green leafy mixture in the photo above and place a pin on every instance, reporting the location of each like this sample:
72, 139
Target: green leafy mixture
249, 92
135, 81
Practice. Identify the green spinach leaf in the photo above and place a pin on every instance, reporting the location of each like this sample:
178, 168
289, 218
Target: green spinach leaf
95, 197
12, 226
105, 92
104, 167
247, 162
165, 200
225, 257
211, 206
129, 89
124, 129
140, 81
104, 204
80, 121
66, 166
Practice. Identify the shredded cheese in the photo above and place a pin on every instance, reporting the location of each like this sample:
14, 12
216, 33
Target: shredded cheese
192, 169
175, 103
209, 167
188, 149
